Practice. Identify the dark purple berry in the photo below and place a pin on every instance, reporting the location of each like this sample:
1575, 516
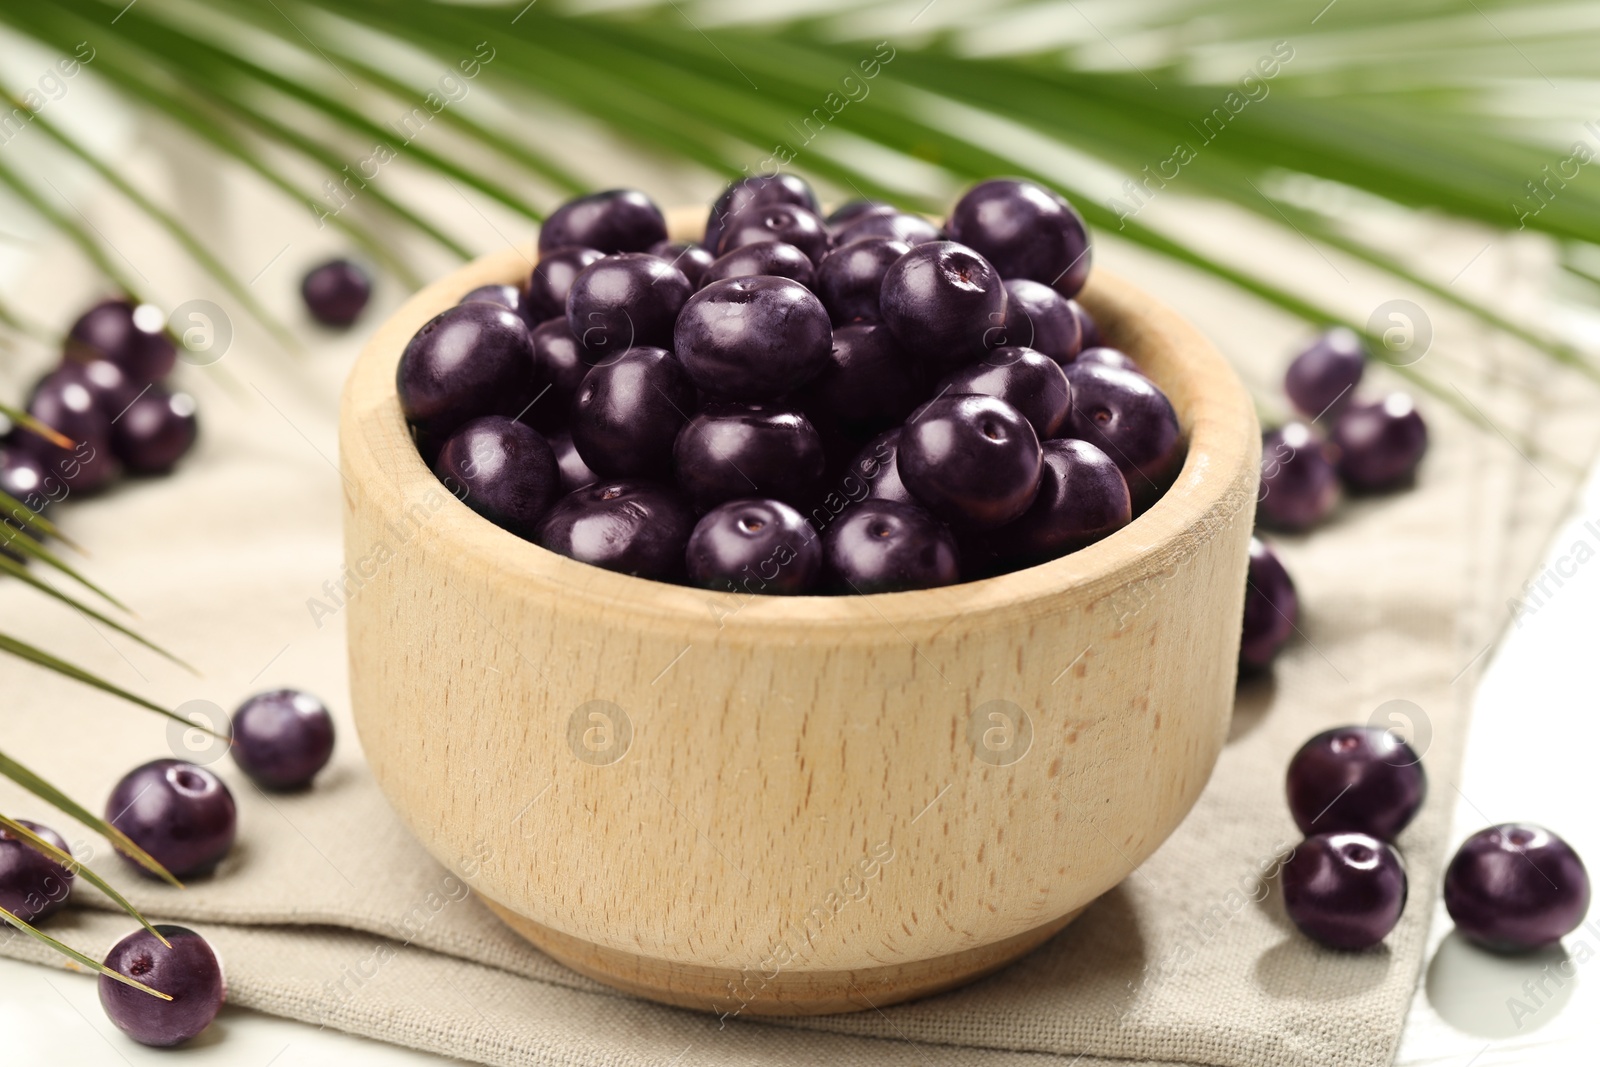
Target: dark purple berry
545, 297
757, 546
749, 192
503, 470
1028, 380
776, 258
188, 972
1380, 443
628, 413
878, 466
1129, 419
850, 277
1082, 498
625, 301
1271, 608
897, 226
1360, 779
1516, 887
868, 384
1026, 231
1344, 890
753, 338
1107, 357
282, 738
1299, 486
558, 360
1092, 338
23, 477
973, 461
789, 223
575, 473
155, 431
134, 337
1322, 379
32, 885
336, 292
945, 304
687, 256
730, 451
854, 210
1040, 318
881, 546
637, 528
507, 296
617, 220
107, 383
62, 402
469, 360
180, 814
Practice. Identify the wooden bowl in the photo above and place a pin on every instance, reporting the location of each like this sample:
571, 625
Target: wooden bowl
776, 805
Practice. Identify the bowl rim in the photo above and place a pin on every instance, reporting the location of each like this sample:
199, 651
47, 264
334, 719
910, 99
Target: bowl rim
1217, 482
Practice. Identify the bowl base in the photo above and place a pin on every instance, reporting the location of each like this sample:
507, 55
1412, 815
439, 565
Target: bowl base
750, 992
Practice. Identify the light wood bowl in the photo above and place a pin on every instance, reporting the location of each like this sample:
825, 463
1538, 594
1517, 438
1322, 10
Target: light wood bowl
776, 805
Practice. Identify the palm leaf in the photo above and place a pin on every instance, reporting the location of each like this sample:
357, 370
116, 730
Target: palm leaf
24, 651
67, 861
22, 574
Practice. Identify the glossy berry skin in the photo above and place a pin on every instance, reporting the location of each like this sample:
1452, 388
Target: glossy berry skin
625, 301
776, 258
730, 451
1029, 381
789, 223
878, 466
944, 302
895, 225
155, 431
617, 220
1322, 379
545, 296
188, 972
134, 337
575, 473
469, 360
1356, 779
558, 360
850, 277
108, 384
1092, 337
638, 528
507, 296
628, 412
23, 477
179, 813
1380, 443
1271, 608
1082, 499
882, 546
336, 292
687, 256
752, 191
855, 210
1026, 231
753, 339
1516, 887
1129, 419
282, 738
32, 885
1107, 357
63, 403
502, 469
755, 545
973, 461
868, 384
1344, 890
1040, 318
1299, 486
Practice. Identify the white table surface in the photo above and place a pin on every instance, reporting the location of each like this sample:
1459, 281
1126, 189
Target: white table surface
1535, 732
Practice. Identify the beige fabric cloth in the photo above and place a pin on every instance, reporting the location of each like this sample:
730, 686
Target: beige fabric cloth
329, 912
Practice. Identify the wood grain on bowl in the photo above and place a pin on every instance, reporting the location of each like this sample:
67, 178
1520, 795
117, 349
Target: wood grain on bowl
793, 805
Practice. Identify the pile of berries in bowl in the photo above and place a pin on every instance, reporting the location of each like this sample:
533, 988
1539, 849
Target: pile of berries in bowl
797, 404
